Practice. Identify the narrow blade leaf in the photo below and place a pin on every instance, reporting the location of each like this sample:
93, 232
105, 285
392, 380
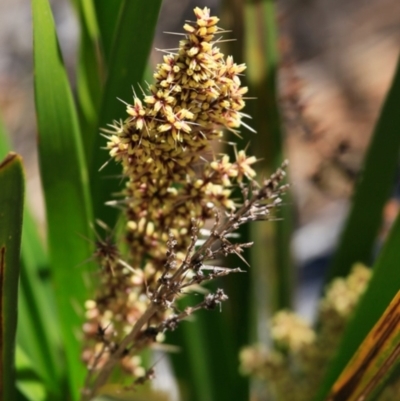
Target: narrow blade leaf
65, 184
37, 324
11, 209
107, 16
90, 71
37, 334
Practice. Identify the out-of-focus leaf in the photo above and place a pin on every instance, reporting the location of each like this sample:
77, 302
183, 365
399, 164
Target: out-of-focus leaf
28, 382
38, 333
11, 209
384, 285
4, 142
374, 359
373, 188
107, 16
131, 46
89, 89
90, 69
142, 392
274, 151
192, 364
88, 13
65, 183
21, 396
271, 260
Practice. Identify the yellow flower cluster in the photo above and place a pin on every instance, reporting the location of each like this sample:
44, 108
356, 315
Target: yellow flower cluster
172, 176
162, 144
344, 293
294, 367
290, 331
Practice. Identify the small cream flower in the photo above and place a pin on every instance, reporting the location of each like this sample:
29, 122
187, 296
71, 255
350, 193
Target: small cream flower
291, 331
243, 164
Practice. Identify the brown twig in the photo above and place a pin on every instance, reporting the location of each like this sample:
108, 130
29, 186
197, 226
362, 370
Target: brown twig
169, 287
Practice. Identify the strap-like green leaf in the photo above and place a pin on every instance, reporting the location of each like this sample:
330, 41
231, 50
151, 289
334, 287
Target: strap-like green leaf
11, 208
65, 182
279, 267
37, 324
90, 71
107, 17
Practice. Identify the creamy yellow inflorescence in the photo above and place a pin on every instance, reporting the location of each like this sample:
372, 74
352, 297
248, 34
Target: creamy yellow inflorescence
172, 176
294, 366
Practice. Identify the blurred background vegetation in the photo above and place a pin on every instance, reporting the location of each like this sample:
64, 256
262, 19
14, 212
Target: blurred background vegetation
319, 72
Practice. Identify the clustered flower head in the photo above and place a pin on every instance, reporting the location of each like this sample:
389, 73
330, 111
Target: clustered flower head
343, 295
162, 144
294, 367
290, 331
174, 183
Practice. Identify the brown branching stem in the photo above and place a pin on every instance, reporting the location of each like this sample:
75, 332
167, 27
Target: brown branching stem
255, 207
105, 372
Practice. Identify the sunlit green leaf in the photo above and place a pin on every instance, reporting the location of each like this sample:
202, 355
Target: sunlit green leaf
65, 182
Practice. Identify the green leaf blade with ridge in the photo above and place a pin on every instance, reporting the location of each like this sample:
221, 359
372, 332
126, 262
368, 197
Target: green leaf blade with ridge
11, 210
107, 13
66, 188
89, 74
38, 326
37, 329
